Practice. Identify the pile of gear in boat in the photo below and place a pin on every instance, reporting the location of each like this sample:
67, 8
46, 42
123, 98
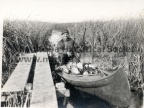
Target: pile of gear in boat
84, 69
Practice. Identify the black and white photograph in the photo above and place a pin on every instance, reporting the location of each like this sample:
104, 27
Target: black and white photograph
72, 53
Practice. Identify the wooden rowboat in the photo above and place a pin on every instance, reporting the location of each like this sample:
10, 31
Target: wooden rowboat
113, 88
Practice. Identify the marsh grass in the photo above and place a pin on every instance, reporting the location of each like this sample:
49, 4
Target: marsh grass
15, 99
31, 36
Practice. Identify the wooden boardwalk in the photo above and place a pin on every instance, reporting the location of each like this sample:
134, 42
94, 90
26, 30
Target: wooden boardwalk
44, 94
18, 78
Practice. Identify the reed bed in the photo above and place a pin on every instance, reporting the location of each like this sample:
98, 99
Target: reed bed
120, 38
16, 99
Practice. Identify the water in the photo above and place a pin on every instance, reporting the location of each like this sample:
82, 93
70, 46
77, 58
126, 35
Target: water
80, 99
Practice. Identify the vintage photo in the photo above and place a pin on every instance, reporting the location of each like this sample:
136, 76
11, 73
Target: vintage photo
72, 54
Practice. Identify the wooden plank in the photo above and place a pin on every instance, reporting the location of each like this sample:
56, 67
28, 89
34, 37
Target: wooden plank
44, 94
19, 77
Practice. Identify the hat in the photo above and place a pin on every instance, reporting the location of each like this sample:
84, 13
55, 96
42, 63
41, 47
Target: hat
64, 31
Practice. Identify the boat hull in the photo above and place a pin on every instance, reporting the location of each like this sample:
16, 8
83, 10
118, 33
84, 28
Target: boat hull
114, 89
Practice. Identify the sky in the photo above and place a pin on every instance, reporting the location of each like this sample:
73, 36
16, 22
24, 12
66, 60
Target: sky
63, 11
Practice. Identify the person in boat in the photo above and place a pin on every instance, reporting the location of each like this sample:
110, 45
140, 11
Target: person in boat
67, 48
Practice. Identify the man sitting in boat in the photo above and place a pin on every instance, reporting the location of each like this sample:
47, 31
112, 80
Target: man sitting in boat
67, 48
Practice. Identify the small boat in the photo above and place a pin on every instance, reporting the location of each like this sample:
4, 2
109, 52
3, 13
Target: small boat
113, 88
